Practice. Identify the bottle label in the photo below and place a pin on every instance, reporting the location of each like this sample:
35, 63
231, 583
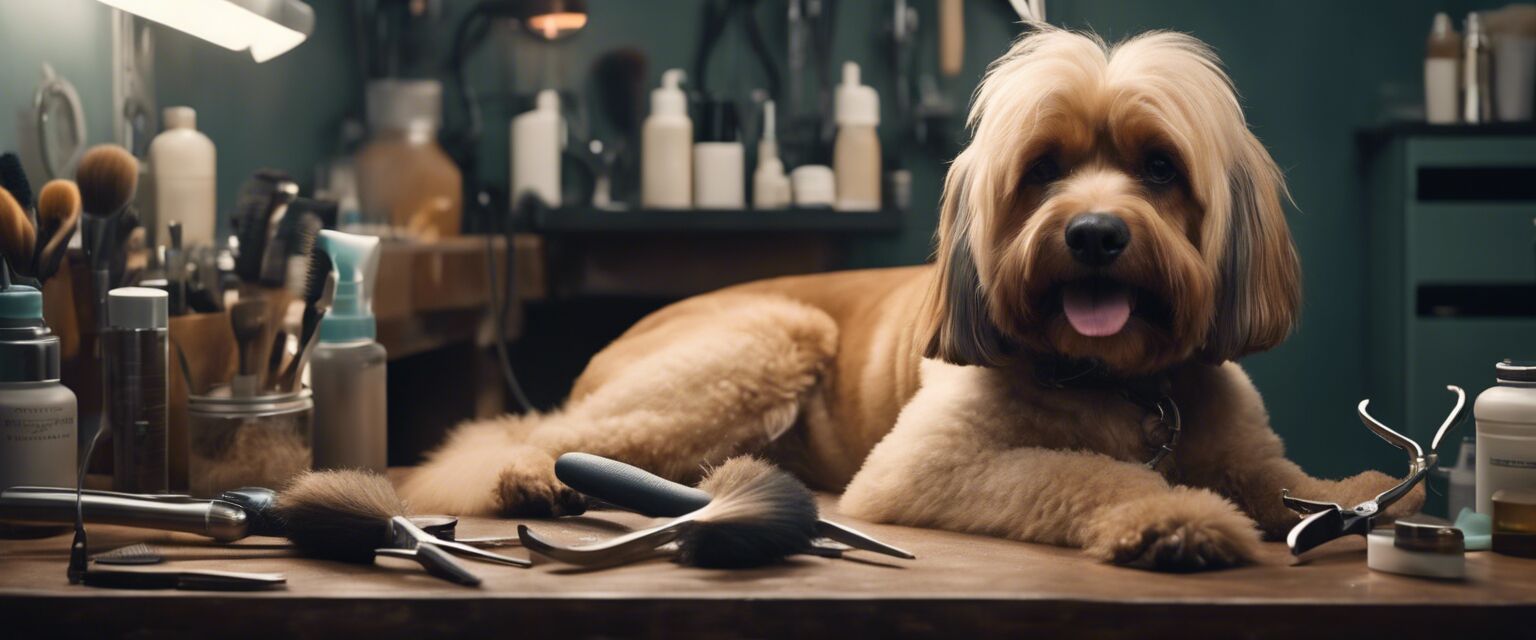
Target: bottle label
37, 445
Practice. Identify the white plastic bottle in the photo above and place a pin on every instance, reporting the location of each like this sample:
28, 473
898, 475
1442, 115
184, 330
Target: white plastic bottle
666, 148
537, 139
348, 374
183, 164
770, 187
1442, 67
719, 159
1506, 433
856, 152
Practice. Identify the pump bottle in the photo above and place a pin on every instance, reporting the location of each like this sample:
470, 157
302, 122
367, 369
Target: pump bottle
856, 152
666, 148
37, 414
537, 138
347, 370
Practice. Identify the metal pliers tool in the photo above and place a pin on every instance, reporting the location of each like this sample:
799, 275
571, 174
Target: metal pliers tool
1325, 521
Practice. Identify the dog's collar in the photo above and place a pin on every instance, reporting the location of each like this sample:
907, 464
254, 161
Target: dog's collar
1152, 393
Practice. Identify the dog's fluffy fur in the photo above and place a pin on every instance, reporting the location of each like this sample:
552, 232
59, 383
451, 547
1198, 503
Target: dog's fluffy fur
914, 389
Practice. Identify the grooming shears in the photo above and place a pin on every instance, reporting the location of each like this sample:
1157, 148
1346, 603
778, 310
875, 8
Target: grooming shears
1325, 521
413, 543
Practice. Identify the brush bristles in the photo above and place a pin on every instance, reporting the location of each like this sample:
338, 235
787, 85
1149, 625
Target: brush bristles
14, 179
339, 515
758, 515
16, 234
107, 177
58, 214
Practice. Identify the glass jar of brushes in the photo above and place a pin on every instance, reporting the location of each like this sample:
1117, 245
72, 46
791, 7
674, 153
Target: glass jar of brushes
255, 441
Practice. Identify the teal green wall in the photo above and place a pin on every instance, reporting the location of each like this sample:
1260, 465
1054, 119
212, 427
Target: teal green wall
1311, 73
75, 37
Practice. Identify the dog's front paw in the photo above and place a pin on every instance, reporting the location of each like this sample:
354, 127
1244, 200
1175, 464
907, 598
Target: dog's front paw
1181, 530
528, 488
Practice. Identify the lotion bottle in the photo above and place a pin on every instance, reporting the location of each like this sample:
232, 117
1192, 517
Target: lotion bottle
1506, 432
347, 372
1442, 66
538, 136
856, 152
719, 159
183, 164
666, 148
770, 187
38, 432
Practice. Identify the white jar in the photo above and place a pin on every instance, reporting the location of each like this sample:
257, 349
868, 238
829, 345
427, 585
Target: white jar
1506, 433
183, 164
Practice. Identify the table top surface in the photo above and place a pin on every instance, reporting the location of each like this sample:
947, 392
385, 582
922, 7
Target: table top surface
951, 568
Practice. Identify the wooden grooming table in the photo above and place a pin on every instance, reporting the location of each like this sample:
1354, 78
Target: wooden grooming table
960, 586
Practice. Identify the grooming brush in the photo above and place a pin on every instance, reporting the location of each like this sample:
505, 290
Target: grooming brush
58, 214
107, 177
17, 236
14, 179
248, 321
133, 554
318, 289
758, 515
637, 490
176, 269
355, 516
270, 375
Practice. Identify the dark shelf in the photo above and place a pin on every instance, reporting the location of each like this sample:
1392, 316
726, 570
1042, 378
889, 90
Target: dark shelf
586, 220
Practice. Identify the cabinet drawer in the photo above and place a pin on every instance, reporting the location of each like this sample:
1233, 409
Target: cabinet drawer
1472, 243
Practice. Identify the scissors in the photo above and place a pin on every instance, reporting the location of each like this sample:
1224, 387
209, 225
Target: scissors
433, 553
1325, 521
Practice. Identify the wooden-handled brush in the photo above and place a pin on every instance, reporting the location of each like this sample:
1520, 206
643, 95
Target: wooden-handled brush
58, 215
16, 237
107, 177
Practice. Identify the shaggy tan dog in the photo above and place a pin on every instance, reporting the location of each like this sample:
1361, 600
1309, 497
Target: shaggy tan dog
1112, 237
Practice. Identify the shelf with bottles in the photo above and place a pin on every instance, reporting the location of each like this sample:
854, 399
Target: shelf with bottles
592, 220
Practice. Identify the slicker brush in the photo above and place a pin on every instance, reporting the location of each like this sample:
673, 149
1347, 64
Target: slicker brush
58, 215
757, 515
16, 236
339, 515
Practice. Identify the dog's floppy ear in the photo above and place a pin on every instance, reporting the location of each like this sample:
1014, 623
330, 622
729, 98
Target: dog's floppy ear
1260, 276
961, 331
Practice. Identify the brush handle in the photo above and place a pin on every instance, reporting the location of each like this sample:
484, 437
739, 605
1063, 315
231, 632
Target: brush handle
628, 486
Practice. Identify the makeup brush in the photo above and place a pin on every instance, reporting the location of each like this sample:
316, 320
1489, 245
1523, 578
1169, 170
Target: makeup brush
758, 515
107, 177
248, 321
58, 214
14, 179
16, 237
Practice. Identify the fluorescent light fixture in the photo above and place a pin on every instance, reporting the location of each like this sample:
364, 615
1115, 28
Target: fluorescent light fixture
267, 27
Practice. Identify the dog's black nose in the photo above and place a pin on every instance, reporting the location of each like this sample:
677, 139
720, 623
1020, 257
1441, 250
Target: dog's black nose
1096, 239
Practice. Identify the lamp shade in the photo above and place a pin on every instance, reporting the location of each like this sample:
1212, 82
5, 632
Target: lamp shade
268, 28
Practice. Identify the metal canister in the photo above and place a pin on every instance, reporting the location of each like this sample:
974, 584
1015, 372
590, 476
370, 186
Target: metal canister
258, 441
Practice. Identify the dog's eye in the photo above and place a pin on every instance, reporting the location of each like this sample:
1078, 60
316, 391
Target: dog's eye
1044, 171
1159, 169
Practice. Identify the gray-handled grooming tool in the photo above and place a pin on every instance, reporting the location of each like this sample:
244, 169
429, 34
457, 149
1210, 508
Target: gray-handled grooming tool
635, 489
1325, 521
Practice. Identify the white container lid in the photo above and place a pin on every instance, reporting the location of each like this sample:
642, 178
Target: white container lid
856, 104
179, 118
138, 308
815, 185
669, 99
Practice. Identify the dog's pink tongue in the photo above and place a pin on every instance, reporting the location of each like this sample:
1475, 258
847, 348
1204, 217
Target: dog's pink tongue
1096, 311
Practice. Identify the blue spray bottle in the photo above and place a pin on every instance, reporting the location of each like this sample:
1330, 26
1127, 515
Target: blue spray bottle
347, 371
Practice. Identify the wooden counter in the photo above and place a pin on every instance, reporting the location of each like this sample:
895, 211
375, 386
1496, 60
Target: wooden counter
961, 586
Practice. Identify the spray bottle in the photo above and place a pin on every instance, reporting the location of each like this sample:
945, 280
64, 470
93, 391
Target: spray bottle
347, 371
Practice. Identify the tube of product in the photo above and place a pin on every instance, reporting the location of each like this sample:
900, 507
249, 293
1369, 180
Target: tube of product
134, 356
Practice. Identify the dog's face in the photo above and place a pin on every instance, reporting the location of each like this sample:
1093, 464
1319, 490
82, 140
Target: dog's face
1111, 206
